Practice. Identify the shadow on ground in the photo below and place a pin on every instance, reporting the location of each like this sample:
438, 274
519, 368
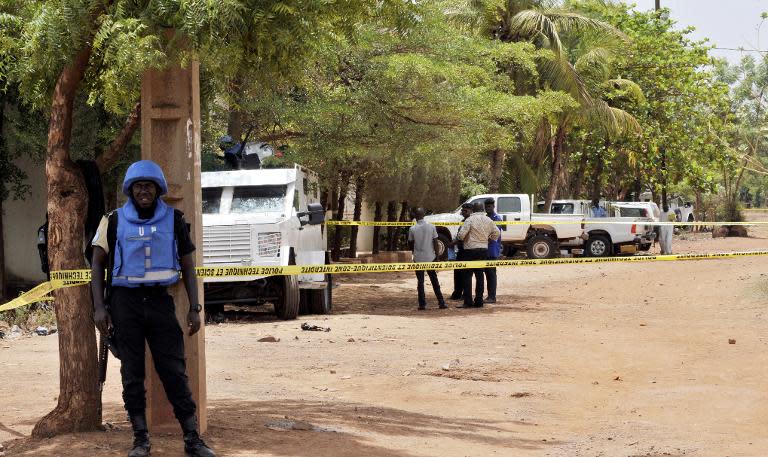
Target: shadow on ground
338, 429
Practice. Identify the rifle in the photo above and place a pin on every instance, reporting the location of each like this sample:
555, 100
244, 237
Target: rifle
106, 344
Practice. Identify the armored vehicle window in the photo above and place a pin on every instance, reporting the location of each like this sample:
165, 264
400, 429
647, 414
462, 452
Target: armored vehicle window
256, 199
211, 200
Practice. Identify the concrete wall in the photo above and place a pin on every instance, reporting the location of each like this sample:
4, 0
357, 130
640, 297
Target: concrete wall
21, 219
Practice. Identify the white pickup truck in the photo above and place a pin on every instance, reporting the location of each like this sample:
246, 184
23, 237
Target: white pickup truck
539, 239
263, 218
622, 232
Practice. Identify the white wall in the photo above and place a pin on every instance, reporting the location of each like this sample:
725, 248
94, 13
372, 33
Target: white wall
364, 234
21, 219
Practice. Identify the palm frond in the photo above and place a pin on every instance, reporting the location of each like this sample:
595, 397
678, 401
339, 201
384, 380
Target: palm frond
532, 24
561, 75
567, 22
595, 61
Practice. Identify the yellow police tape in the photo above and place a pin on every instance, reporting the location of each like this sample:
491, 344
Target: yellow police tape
69, 278
587, 222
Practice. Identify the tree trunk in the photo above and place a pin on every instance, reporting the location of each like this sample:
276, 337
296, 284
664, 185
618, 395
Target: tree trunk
663, 177
236, 115
599, 166
558, 168
376, 229
107, 159
391, 231
404, 217
359, 192
79, 398
578, 181
497, 168
2, 256
339, 232
3, 158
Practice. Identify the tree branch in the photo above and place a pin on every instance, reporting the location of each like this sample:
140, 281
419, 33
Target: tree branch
107, 159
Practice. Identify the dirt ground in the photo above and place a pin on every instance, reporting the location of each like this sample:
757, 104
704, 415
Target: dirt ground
585, 360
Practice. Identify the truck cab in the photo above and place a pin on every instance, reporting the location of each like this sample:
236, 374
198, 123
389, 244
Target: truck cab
624, 230
265, 217
531, 231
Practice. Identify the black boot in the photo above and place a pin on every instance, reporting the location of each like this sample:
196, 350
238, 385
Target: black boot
194, 446
141, 444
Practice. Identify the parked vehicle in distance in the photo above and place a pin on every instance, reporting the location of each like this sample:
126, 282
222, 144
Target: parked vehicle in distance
683, 209
604, 237
265, 217
539, 239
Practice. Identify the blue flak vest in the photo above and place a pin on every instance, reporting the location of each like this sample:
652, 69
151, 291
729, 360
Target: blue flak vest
146, 253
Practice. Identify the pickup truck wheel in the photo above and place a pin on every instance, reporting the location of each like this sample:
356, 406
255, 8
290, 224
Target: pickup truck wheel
443, 243
598, 246
287, 306
541, 247
322, 299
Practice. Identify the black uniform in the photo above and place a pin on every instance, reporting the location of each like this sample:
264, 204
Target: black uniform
148, 313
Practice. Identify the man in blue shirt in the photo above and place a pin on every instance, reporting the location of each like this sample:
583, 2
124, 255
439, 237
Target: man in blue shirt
597, 210
494, 251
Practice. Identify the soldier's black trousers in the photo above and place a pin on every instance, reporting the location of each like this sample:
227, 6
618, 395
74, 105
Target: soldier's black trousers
148, 314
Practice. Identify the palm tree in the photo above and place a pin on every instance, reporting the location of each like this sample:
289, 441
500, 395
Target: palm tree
572, 67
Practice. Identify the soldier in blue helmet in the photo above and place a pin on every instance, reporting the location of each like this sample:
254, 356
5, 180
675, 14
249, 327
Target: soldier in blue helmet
144, 245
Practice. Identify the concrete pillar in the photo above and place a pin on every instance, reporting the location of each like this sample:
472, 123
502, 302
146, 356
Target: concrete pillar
170, 136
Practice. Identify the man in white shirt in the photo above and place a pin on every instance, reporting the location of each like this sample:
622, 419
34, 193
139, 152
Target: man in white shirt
477, 230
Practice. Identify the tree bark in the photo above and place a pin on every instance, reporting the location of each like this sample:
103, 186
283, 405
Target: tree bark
558, 167
376, 229
663, 177
2, 255
78, 404
578, 181
3, 157
497, 168
404, 217
359, 192
107, 159
391, 231
339, 230
599, 166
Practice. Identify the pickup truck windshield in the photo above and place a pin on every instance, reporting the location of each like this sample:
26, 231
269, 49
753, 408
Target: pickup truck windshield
258, 199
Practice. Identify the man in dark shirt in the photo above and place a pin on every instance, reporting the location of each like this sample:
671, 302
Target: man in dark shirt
494, 251
458, 275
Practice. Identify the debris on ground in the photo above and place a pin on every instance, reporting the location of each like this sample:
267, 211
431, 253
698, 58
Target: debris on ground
284, 425
268, 339
41, 331
306, 326
731, 341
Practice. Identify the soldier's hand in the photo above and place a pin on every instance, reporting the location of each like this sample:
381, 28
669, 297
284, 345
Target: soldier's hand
102, 320
193, 321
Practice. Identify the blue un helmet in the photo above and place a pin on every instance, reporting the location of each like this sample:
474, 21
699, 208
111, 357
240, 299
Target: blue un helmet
145, 170
226, 142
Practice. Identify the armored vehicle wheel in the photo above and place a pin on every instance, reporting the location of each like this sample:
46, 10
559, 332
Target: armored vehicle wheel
287, 304
321, 301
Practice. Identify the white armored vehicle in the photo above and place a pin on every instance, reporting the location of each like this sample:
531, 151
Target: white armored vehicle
266, 217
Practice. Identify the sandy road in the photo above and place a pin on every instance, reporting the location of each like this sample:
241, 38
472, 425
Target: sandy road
585, 360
